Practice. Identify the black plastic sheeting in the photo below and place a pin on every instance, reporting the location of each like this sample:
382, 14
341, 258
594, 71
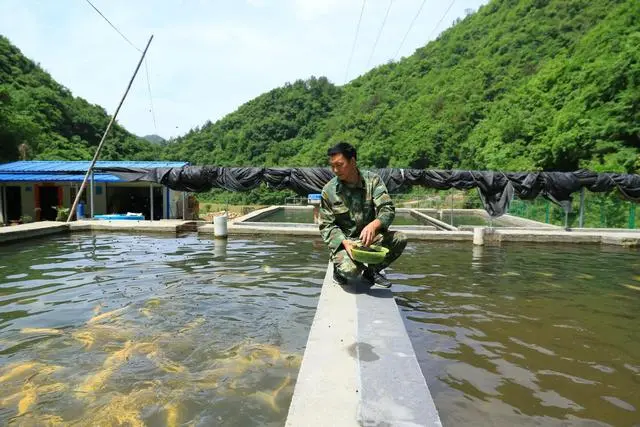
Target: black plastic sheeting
496, 189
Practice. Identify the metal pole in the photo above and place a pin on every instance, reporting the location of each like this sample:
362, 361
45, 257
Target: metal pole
632, 215
3, 216
151, 199
184, 207
91, 195
4, 204
581, 221
566, 220
106, 132
451, 217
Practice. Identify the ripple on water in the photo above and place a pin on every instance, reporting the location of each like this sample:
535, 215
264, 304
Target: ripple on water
156, 330
563, 324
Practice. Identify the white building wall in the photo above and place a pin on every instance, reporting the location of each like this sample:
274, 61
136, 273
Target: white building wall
27, 194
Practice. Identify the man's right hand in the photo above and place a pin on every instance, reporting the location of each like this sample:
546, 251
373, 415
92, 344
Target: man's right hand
348, 245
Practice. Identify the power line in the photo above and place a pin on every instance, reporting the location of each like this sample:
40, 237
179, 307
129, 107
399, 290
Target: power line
113, 26
153, 114
353, 48
146, 68
413, 21
384, 21
441, 19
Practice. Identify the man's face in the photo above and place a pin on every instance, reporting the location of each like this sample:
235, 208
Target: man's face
342, 167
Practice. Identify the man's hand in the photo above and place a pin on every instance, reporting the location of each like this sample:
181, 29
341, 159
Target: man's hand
368, 233
348, 245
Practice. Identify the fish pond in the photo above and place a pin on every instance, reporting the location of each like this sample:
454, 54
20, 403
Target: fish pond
525, 334
141, 330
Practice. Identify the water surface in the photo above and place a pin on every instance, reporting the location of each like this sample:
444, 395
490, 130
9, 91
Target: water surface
525, 334
134, 330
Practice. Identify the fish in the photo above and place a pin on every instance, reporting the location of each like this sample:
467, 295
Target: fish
111, 363
634, 287
85, 337
192, 325
108, 314
19, 369
172, 414
271, 398
46, 331
164, 363
29, 397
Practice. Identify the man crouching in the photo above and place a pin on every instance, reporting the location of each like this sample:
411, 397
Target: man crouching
356, 208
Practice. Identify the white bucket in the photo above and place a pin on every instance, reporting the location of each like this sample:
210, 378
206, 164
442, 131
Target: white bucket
220, 226
478, 236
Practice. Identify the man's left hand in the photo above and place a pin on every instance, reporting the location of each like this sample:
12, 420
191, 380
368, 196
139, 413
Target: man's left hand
369, 232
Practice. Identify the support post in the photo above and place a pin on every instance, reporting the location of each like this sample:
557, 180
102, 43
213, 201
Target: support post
4, 204
478, 236
184, 207
581, 221
451, 217
151, 201
91, 189
2, 215
106, 132
632, 215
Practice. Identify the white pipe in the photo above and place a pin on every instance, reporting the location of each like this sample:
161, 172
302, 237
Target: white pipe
91, 195
220, 226
151, 198
478, 236
2, 214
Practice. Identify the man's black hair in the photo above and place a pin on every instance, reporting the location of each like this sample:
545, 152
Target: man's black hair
344, 148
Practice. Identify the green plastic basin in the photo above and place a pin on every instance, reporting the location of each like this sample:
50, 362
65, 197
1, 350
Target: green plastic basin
372, 255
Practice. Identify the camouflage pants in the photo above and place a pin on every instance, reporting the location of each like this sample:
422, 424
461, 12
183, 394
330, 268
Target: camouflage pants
395, 241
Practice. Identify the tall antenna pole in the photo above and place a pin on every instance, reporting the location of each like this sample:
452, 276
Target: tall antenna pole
104, 136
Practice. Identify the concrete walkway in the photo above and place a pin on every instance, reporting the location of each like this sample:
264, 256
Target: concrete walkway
163, 226
359, 368
619, 238
34, 229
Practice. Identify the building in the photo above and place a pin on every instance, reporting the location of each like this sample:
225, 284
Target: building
34, 190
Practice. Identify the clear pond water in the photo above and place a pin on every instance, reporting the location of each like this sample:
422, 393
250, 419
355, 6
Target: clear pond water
525, 335
142, 330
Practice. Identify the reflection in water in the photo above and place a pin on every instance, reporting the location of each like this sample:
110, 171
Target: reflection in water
133, 330
525, 334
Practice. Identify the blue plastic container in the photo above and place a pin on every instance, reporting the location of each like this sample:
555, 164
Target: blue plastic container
113, 217
80, 211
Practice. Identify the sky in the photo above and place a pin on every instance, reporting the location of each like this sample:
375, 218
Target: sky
208, 57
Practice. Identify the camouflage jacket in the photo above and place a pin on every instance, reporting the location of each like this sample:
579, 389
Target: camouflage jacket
345, 210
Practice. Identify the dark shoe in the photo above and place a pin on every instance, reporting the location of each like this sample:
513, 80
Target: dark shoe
338, 279
376, 278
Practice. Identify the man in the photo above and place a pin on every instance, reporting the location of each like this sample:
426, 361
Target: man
355, 205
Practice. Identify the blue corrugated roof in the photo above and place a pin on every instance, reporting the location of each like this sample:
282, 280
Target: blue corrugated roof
44, 177
37, 166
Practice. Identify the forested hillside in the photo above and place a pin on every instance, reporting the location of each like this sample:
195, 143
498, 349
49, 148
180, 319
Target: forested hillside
41, 119
518, 85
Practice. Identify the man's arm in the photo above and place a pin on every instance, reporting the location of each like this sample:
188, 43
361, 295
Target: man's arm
385, 212
329, 230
